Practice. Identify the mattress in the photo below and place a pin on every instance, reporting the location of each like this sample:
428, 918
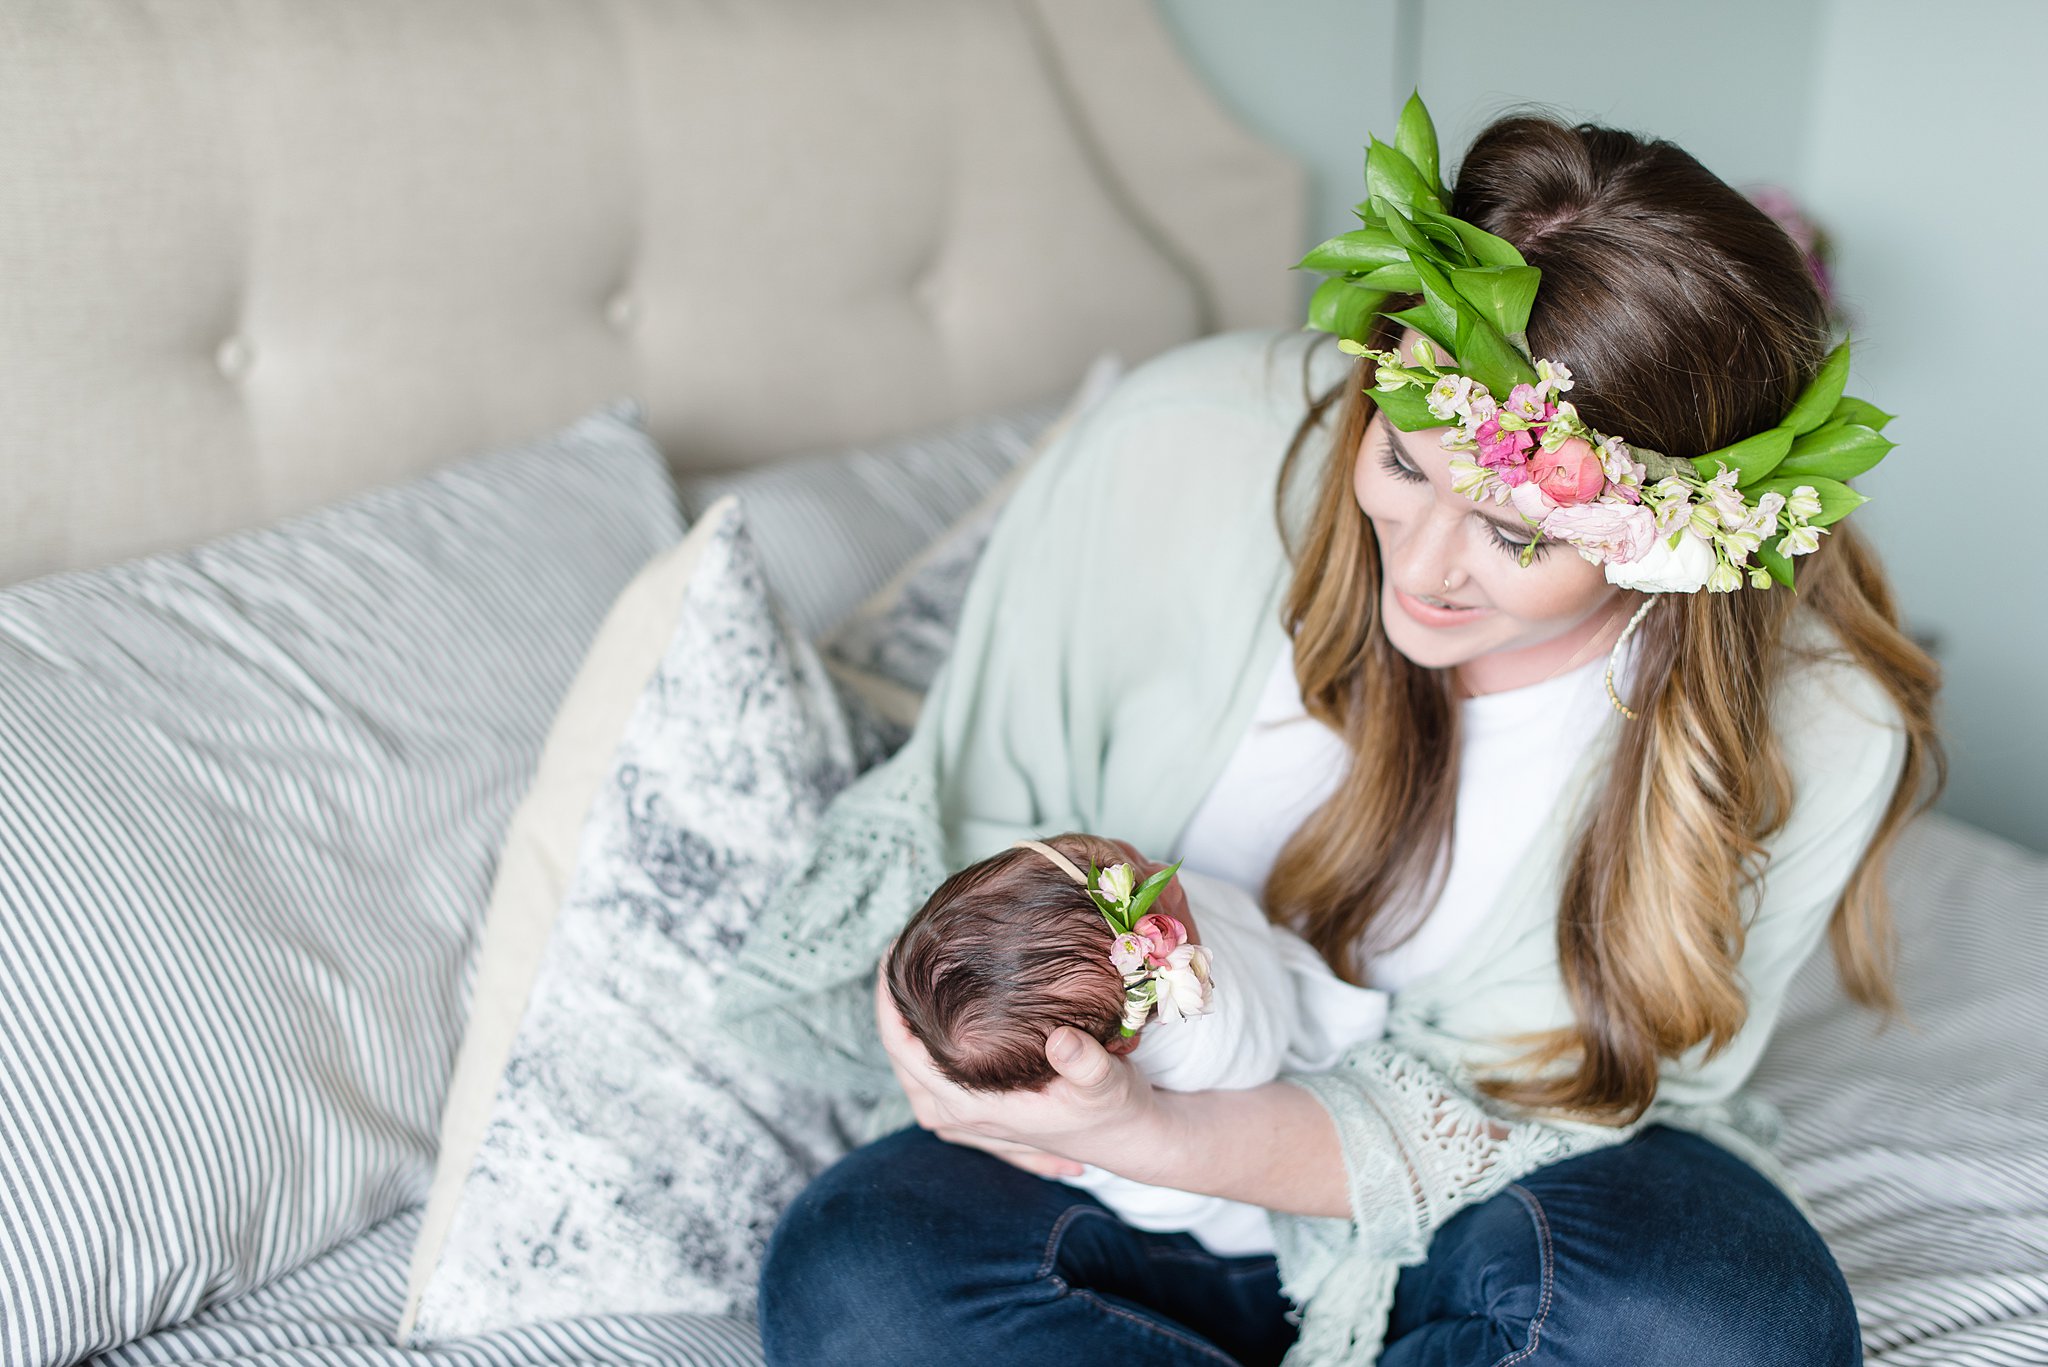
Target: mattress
1921, 1149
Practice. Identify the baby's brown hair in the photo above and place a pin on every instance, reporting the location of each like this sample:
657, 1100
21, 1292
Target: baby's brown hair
1003, 953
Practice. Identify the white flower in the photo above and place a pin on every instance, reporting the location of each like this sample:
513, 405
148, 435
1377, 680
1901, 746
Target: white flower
1671, 498
1620, 464
1184, 983
1115, 882
1470, 478
1450, 397
1740, 544
1665, 568
1801, 541
1759, 577
1725, 578
1725, 499
1562, 427
1481, 407
1554, 375
1804, 503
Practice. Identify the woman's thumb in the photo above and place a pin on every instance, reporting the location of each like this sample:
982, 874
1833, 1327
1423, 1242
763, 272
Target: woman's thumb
1079, 1059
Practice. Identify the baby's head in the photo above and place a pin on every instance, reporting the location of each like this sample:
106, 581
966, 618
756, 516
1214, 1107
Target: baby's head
1006, 951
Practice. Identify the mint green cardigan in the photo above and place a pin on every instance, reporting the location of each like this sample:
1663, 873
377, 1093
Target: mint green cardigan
1112, 647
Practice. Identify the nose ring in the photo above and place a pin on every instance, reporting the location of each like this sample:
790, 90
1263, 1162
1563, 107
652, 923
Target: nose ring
1447, 583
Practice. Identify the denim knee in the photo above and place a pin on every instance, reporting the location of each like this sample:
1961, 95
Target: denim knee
838, 1246
1672, 1249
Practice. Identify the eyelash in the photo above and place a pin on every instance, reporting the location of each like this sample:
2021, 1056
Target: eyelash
1391, 463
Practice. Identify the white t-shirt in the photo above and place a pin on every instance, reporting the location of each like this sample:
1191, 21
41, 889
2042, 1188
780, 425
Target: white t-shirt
1517, 751
1276, 1006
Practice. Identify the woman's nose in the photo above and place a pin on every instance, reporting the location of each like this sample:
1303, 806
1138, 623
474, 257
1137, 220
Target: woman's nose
1428, 553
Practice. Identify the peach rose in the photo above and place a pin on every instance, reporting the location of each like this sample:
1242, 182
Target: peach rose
1165, 934
1570, 474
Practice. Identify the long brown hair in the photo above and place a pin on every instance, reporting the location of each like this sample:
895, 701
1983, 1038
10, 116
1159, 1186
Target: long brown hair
1690, 321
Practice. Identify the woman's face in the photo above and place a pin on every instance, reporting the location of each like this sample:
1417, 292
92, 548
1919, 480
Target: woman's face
1499, 623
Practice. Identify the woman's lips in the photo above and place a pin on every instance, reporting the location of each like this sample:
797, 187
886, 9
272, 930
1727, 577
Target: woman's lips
1431, 616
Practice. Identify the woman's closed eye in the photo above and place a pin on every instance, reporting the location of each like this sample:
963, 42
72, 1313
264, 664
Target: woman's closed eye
1391, 462
1534, 546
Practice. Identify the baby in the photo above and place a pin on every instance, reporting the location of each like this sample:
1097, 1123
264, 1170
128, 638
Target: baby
1178, 970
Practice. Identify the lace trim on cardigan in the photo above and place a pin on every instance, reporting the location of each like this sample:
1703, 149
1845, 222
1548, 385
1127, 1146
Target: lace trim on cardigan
1417, 1150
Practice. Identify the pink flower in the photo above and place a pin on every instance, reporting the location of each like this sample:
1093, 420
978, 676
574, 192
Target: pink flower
1128, 953
1531, 501
1514, 476
1609, 532
1571, 474
1163, 935
1525, 403
1498, 448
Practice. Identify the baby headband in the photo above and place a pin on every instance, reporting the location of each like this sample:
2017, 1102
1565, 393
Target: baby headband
1151, 954
1657, 524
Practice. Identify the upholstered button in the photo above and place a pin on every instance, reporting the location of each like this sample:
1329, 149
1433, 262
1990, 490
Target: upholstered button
620, 311
235, 356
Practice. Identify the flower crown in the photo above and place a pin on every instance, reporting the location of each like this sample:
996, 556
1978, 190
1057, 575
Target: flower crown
1657, 524
1150, 953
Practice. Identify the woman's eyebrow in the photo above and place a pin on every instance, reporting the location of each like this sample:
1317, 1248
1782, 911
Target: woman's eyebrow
1506, 524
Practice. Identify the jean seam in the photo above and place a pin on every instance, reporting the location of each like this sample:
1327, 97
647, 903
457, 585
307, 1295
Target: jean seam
1542, 1223
1059, 1229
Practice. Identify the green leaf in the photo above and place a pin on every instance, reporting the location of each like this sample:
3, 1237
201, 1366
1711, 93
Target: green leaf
1391, 176
1780, 566
1407, 408
1443, 301
1361, 250
1858, 411
1837, 500
1503, 294
1424, 320
1149, 890
1405, 232
1486, 355
1344, 308
1752, 457
1443, 239
1816, 404
1486, 249
1840, 450
1415, 136
1399, 278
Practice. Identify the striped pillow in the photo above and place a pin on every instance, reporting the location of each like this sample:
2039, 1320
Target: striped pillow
250, 794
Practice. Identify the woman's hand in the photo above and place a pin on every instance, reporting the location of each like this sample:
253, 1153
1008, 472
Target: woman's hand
1100, 1107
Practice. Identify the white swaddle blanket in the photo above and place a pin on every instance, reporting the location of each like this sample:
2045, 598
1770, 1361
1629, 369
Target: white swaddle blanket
1276, 1005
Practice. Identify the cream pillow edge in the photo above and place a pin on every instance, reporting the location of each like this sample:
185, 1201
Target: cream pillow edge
535, 863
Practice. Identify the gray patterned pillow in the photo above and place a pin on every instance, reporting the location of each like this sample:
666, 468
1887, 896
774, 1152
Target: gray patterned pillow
630, 1162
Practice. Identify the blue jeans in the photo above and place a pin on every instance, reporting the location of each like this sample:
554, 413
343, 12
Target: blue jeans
913, 1252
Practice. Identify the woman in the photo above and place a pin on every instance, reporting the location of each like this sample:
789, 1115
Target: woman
1586, 883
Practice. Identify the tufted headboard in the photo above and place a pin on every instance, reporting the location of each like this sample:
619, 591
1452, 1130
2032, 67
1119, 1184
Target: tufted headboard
258, 255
